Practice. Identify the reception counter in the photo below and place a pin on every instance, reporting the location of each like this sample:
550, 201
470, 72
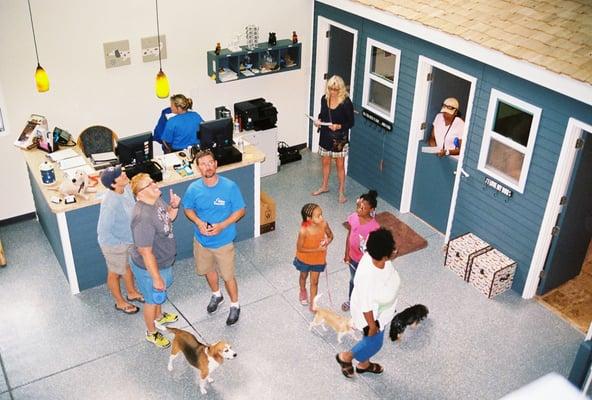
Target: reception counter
72, 228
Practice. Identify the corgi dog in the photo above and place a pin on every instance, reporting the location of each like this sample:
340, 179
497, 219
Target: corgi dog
340, 324
410, 316
200, 356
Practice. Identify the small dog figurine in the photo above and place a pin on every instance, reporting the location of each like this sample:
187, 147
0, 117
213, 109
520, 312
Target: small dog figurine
205, 358
410, 316
340, 324
79, 185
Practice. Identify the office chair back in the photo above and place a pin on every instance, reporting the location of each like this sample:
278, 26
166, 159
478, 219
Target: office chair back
97, 139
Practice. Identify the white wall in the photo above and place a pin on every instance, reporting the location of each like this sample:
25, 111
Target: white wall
70, 37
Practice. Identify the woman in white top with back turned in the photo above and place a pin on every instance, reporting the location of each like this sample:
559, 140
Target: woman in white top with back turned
447, 129
373, 302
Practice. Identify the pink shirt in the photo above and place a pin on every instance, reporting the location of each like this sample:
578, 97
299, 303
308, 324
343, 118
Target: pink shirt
358, 235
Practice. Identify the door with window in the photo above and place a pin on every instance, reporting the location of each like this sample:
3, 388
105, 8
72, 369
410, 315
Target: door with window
433, 183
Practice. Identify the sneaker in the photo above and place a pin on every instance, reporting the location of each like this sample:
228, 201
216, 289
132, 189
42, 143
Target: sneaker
158, 339
167, 318
215, 301
345, 306
303, 297
233, 315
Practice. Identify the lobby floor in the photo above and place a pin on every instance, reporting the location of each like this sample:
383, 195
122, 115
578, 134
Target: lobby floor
57, 346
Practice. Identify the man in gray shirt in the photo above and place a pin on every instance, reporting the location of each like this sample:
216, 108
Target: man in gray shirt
153, 253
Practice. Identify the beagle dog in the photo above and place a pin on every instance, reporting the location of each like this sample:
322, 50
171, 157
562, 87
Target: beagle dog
203, 357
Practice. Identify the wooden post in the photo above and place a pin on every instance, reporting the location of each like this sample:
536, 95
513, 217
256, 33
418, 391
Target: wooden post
2, 257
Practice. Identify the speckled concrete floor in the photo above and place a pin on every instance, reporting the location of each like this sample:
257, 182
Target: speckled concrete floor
57, 346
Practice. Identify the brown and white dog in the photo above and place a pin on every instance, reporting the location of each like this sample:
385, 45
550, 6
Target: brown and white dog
340, 324
205, 358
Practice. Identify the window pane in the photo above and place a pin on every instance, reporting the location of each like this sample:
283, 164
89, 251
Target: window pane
512, 123
380, 96
505, 160
382, 63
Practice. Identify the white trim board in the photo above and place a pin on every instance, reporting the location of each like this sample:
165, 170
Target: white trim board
563, 174
67, 250
564, 85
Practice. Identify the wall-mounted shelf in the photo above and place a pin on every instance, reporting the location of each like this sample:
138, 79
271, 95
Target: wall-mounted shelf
262, 60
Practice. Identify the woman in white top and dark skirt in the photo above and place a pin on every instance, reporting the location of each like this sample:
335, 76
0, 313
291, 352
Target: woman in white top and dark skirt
335, 120
447, 129
373, 302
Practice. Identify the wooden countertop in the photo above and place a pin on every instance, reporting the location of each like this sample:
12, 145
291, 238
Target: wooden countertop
35, 157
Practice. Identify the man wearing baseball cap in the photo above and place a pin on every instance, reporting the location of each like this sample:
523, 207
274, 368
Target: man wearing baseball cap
447, 129
115, 237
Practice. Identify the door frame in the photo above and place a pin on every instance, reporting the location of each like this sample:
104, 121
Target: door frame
563, 174
420, 104
321, 63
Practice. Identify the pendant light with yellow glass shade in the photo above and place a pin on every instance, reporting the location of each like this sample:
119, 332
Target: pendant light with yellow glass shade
162, 82
41, 78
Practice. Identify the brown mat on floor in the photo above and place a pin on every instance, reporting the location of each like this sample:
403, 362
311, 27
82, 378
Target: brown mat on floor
572, 301
406, 238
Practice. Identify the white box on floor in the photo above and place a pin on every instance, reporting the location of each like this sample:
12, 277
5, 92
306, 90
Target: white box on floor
461, 251
492, 273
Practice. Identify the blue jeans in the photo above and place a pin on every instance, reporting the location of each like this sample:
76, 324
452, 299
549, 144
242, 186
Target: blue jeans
368, 346
353, 267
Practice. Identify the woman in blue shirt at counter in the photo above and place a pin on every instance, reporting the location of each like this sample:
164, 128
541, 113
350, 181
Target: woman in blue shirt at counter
181, 130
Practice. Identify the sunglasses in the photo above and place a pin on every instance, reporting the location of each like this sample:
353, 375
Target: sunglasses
145, 187
451, 108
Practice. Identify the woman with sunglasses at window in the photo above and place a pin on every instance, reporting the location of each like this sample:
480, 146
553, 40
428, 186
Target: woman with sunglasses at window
334, 122
447, 129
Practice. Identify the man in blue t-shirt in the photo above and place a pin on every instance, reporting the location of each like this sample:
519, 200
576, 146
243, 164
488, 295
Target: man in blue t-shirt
214, 204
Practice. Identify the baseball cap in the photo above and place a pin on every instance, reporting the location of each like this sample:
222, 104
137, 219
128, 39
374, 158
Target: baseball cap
450, 105
109, 175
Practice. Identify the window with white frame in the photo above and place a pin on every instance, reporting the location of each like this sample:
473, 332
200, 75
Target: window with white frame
381, 75
508, 140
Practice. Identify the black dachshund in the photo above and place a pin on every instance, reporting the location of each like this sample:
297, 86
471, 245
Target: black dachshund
410, 316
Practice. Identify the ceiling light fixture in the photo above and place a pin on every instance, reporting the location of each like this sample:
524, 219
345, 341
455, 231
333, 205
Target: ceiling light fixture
162, 82
41, 78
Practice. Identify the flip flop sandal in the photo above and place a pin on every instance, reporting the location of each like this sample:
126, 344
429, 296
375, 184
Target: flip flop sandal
372, 368
130, 309
320, 191
138, 299
347, 369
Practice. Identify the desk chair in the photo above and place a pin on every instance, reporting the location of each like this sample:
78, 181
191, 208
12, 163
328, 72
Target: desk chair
97, 139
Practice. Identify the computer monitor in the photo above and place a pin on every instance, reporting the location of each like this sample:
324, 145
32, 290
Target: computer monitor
216, 133
135, 149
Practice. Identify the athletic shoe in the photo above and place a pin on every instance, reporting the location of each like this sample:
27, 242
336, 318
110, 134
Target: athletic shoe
303, 297
158, 339
215, 301
233, 315
167, 318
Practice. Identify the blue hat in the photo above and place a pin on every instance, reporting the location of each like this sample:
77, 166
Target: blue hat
109, 175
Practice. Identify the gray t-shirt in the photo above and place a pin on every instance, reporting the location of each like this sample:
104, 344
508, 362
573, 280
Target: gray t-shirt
152, 227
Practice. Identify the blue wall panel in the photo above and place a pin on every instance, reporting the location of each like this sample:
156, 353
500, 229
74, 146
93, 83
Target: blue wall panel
511, 225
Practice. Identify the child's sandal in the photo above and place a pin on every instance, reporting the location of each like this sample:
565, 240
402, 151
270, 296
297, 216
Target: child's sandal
347, 368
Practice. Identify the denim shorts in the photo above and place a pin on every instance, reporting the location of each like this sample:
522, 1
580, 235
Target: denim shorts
144, 280
368, 346
302, 267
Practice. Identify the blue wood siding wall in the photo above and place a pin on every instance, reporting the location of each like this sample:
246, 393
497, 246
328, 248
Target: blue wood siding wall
512, 226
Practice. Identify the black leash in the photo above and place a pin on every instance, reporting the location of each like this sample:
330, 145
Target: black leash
200, 336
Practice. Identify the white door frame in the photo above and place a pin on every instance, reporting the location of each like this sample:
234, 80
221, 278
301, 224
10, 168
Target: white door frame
565, 166
322, 63
420, 104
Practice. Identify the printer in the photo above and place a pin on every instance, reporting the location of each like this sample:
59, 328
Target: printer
263, 114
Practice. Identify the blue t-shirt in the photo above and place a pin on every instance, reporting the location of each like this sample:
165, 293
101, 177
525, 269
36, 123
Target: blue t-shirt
115, 217
214, 204
161, 124
181, 130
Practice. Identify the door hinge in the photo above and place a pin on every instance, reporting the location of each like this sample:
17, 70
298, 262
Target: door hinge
563, 200
326, 76
555, 231
423, 126
542, 274
579, 143
429, 77
328, 34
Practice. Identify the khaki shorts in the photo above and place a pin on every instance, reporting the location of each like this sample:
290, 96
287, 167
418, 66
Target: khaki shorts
116, 257
220, 259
